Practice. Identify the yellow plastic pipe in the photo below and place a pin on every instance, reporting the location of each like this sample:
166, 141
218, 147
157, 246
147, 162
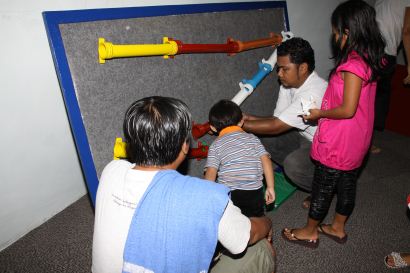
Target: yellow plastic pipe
120, 149
107, 50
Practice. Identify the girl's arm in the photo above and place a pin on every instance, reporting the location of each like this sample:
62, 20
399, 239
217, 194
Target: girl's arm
351, 94
270, 180
210, 174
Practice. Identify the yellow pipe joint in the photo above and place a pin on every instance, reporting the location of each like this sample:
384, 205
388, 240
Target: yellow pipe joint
120, 149
107, 50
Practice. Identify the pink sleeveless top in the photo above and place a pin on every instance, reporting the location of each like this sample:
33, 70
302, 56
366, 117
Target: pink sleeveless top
342, 143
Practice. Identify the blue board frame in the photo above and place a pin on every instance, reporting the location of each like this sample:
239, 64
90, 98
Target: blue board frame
52, 20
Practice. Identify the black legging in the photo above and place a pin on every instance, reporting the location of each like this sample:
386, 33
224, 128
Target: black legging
326, 183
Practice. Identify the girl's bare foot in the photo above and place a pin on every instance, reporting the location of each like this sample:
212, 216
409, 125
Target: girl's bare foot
300, 233
289, 235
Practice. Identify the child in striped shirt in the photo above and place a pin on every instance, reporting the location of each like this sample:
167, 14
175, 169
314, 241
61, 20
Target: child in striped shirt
239, 160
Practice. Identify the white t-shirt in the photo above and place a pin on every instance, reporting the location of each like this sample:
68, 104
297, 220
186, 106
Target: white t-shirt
289, 104
118, 194
390, 18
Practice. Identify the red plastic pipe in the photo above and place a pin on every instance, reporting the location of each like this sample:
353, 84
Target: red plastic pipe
200, 152
199, 130
230, 47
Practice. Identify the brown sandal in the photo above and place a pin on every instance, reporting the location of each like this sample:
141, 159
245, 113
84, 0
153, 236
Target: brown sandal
331, 236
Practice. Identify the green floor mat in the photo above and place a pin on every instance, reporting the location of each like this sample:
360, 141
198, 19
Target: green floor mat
283, 190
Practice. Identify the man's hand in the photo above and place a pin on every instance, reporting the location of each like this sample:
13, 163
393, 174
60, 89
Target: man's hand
269, 237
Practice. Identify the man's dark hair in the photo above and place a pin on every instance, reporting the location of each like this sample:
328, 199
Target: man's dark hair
155, 129
299, 51
224, 113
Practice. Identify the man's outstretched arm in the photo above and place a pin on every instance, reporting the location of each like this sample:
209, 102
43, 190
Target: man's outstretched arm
266, 126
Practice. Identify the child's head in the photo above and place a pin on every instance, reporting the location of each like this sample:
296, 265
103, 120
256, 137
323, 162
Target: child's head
299, 51
155, 129
354, 28
223, 114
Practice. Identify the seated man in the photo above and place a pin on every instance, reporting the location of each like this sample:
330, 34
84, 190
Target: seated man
290, 145
150, 218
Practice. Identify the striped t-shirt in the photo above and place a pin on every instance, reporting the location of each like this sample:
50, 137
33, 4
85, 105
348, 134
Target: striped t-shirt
237, 157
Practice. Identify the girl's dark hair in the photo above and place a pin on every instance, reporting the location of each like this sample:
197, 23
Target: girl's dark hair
224, 113
155, 128
364, 36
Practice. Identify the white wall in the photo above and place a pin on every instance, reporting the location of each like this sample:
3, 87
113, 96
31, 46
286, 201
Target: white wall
311, 20
40, 173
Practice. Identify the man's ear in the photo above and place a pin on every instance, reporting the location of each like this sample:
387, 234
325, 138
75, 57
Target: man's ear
303, 68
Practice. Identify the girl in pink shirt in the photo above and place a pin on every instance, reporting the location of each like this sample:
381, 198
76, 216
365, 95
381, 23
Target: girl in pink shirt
345, 121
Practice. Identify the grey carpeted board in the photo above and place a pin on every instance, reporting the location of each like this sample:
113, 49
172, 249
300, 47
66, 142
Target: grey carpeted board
104, 91
378, 226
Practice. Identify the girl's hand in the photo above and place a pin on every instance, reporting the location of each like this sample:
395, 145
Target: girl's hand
314, 115
270, 195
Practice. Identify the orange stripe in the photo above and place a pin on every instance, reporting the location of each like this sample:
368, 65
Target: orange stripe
230, 129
